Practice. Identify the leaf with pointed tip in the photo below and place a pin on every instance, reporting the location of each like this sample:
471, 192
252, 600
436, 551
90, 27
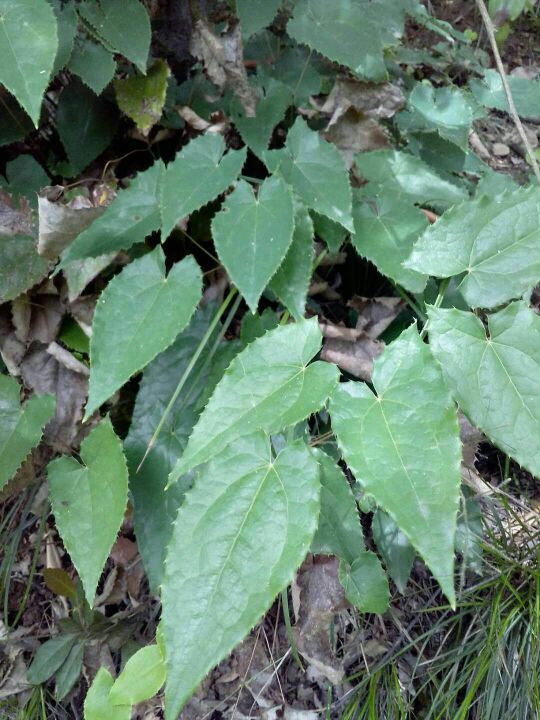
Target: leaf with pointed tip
243, 530
66, 21
317, 173
291, 281
386, 229
89, 500
28, 44
493, 374
495, 241
365, 583
199, 173
257, 131
268, 386
129, 219
20, 426
69, 672
252, 234
379, 436
122, 24
256, 14
97, 705
394, 546
49, 657
20, 265
142, 677
94, 64
331, 232
138, 315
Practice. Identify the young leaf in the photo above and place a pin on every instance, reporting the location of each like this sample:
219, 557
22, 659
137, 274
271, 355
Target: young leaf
242, 531
394, 546
256, 14
339, 531
252, 234
20, 426
365, 583
50, 655
28, 44
94, 64
89, 501
69, 671
493, 374
199, 173
97, 705
142, 97
142, 677
385, 230
122, 24
495, 241
291, 281
139, 314
404, 449
131, 217
268, 386
317, 173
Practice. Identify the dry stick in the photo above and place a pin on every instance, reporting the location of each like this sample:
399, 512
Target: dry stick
481, 5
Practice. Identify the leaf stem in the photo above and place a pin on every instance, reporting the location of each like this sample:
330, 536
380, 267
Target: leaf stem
288, 628
415, 307
442, 290
208, 334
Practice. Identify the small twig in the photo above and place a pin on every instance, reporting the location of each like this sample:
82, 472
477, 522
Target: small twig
481, 5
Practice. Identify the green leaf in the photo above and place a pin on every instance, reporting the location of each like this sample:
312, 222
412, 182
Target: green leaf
28, 44
15, 124
339, 532
402, 174
59, 582
80, 273
386, 228
69, 672
138, 315
20, 266
20, 426
317, 173
25, 177
296, 69
256, 14
129, 219
395, 548
495, 241
257, 131
268, 386
89, 501
254, 325
50, 655
199, 173
489, 92
86, 125
493, 374
142, 677
330, 232
365, 583
97, 705
142, 97
241, 533
252, 234
94, 64
469, 534
291, 281
122, 24
154, 509
380, 436
66, 20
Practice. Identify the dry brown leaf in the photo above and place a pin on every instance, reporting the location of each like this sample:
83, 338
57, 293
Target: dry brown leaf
353, 133
355, 357
372, 100
14, 221
218, 125
375, 314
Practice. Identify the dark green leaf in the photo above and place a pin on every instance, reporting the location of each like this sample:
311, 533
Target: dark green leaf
94, 64
50, 655
365, 583
69, 671
395, 548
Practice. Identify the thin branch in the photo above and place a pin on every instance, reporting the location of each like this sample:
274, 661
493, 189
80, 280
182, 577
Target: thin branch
481, 5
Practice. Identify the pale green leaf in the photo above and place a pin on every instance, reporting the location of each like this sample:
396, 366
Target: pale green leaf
493, 374
86, 125
48, 658
241, 533
93, 63
89, 500
69, 671
129, 219
28, 44
142, 97
79, 273
380, 436
138, 315
20, 266
252, 234
291, 281
495, 241
256, 14
365, 583
199, 173
386, 228
395, 548
20, 426
97, 705
317, 172
257, 131
490, 92
403, 174
339, 531
268, 386
122, 24
142, 677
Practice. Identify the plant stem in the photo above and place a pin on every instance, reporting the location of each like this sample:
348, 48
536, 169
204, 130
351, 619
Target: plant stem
481, 5
187, 371
415, 307
442, 289
288, 628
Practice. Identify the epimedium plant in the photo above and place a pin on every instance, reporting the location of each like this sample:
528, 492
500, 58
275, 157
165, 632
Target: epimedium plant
229, 492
